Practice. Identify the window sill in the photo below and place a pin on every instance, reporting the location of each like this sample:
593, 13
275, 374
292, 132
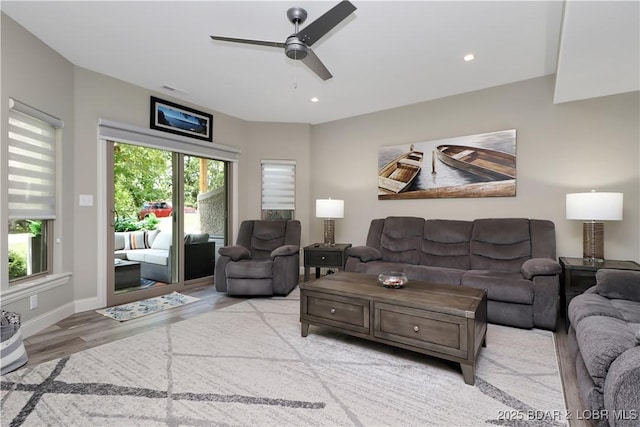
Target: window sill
26, 289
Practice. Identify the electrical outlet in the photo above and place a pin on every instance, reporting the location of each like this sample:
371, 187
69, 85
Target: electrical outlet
33, 302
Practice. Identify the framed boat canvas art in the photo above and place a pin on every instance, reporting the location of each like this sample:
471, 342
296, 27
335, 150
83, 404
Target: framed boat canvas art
481, 165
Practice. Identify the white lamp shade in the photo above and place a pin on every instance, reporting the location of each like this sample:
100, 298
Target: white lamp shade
594, 206
329, 208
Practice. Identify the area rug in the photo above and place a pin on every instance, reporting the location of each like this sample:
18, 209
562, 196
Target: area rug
146, 306
247, 365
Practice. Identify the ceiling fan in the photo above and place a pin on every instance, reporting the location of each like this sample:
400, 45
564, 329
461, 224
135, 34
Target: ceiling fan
298, 45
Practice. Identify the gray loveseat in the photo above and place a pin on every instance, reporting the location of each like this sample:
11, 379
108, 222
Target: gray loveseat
604, 340
153, 250
514, 259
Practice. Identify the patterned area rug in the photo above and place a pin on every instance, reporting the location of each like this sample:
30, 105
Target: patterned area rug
247, 365
146, 306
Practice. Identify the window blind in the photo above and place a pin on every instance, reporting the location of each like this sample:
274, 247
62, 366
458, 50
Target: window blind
32, 163
278, 185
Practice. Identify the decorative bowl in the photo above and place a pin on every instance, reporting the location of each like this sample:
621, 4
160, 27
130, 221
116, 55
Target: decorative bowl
394, 279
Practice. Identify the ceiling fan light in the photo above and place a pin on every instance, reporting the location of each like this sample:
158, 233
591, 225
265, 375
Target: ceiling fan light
295, 49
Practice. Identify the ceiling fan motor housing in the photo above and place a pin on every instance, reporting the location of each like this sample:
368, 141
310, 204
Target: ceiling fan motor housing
294, 48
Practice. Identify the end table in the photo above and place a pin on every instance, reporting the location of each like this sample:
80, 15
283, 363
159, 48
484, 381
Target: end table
319, 255
579, 275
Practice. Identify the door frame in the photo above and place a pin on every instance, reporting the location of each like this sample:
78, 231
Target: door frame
109, 131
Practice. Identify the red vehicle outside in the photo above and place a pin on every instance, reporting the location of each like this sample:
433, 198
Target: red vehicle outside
160, 209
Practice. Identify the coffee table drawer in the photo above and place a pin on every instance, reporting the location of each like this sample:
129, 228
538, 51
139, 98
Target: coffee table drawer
421, 328
334, 310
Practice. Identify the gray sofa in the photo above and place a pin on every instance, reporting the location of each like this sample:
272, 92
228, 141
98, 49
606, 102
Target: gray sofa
514, 259
604, 340
153, 250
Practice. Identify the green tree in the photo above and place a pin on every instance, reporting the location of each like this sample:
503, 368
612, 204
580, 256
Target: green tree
144, 174
140, 175
215, 175
17, 265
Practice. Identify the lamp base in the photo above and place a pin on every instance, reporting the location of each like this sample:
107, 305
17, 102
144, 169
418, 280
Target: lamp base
593, 241
329, 232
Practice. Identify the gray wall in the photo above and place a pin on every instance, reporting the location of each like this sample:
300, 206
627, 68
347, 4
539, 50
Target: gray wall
572, 147
38, 76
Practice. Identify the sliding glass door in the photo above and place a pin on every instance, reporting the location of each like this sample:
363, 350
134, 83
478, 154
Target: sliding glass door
169, 216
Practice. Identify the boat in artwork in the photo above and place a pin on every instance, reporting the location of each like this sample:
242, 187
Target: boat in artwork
488, 164
397, 175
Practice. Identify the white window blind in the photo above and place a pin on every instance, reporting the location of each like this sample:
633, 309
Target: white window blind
278, 185
32, 163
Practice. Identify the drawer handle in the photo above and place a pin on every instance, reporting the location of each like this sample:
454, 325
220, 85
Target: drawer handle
323, 258
333, 311
416, 329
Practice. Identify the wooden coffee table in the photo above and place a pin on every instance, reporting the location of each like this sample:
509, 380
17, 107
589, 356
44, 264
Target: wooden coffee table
449, 322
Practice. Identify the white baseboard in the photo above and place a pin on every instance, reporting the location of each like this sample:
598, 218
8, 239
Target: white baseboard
86, 304
33, 326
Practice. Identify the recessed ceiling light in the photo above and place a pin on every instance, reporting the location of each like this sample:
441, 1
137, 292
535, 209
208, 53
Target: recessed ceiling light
469, 57
314, 99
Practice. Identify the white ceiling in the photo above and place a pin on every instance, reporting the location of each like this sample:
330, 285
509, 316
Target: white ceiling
386, 54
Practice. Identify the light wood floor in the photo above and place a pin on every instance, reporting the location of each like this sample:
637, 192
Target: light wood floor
89, 329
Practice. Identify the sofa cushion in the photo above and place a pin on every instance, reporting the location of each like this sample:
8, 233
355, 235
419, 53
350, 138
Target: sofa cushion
447, 276
162, 241
250, 269
151, 236
377, 267
136, 240
401, 239
601, 340
365, 253
267, 235
151, 256
157, 256
193, 238
618, 284
587, 305
500, 244
629, 310
446, 243
506, 287
118, 243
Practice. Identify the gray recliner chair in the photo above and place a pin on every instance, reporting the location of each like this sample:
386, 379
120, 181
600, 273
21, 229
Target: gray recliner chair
264, 261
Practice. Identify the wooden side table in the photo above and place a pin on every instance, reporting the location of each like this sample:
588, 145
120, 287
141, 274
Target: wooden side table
579, 275
318, 255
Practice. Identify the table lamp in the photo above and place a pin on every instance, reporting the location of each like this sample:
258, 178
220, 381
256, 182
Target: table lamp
593, 207
329, 209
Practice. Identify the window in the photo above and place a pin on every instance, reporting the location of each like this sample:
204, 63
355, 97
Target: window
278, 189
31, 187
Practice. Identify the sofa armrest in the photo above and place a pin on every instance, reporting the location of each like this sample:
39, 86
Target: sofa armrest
618, 284
365, 253
540, 267
235, 252
286, 250
621, 386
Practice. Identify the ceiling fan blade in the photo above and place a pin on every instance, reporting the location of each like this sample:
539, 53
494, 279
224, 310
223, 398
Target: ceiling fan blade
321, 26
247, 41
313, 62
